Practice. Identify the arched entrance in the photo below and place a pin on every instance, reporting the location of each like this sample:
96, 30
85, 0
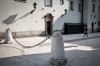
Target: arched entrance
48, 23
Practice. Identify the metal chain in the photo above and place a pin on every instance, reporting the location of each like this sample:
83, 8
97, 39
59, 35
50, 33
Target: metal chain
23, 46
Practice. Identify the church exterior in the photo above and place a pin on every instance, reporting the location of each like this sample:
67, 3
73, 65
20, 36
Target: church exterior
67, 16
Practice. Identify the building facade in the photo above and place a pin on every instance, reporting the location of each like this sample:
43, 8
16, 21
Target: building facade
92, 14
48, 16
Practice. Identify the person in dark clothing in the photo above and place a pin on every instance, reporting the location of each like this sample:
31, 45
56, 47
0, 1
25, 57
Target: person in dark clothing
0, 39
85, 31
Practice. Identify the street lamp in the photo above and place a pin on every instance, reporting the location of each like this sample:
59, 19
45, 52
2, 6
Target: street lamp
34, 5
65, 11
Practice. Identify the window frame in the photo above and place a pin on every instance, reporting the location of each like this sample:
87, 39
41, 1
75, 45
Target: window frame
61, 2
93, 8
71, 5
93, 0
98, 23
48, 3
80, 7
99, 8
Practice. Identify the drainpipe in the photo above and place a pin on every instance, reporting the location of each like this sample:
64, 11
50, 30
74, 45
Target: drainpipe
82, 15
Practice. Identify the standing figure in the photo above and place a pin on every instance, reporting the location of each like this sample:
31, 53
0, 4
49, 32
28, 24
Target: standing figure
0, 38
85, 31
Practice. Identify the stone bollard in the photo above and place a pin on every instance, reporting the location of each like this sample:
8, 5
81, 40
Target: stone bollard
57, 50
8, 37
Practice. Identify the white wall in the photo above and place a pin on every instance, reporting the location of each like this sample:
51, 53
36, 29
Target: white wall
35, 21
98, 15
71, 16
88, 19
99, 11
85, 12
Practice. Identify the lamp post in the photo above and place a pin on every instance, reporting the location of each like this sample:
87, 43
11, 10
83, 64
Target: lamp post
34, 5
65, 11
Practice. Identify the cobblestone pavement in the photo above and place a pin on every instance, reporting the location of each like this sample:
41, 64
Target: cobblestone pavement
79, 51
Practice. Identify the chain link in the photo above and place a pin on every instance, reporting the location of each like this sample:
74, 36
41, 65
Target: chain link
23, 46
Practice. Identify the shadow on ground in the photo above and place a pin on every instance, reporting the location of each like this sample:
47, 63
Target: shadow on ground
92, 42
80, 39
75, 58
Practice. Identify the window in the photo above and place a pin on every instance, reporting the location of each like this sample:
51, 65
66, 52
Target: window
99, 7
71, 5
79, 0
93, 0
93, 7
79, 7
61, 2
48, 3
98, 23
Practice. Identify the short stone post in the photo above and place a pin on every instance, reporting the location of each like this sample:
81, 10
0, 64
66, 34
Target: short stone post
8, 37
57, 50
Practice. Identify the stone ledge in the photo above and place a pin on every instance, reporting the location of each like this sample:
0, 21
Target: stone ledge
24, 34
58, 62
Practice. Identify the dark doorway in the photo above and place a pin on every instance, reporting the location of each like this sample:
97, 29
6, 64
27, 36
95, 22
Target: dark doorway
48, 23
92, 27
49, 27
72, 28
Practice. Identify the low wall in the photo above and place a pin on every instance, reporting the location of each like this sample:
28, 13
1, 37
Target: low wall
24, 34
